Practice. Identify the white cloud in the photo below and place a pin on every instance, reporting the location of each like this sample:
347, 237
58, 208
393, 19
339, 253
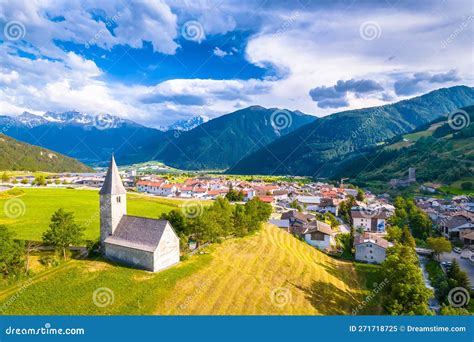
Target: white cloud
309, 47
220, 53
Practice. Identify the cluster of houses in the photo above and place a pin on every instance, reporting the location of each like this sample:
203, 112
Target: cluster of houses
454, 218
368, 217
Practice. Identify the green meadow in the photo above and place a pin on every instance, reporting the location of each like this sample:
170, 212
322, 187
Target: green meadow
27, 212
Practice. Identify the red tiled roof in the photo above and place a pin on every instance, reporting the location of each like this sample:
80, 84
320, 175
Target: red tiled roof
266, 199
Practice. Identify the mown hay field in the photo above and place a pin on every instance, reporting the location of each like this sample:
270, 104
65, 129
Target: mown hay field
269, 273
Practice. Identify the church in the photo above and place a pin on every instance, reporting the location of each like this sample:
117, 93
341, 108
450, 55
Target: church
144, 243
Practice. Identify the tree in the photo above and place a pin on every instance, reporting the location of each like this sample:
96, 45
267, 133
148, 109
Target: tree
12, 253
63, 231
257, 212
466, 186
177, 221
240, 221
457, 277
40, 180
5, 177
439, 245
24, 181
394, 233
223, 211
295, 205
405, 293
360, 195
234, 195
406, 238
331, 219
420, 224
345, 208
447, 310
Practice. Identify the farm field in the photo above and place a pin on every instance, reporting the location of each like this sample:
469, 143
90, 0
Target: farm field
36, 205
269, 273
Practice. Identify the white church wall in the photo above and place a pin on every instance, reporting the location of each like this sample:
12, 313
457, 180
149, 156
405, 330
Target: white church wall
167, 253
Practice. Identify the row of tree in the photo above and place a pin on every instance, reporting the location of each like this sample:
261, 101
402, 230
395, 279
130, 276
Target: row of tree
405, 292
219, 220
408, 214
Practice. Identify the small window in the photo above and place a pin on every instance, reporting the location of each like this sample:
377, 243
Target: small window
118, 200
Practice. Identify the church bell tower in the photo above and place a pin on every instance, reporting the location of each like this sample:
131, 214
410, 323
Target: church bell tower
113, 201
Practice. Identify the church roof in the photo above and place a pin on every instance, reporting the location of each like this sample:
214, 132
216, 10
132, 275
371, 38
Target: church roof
138, 233
112, 183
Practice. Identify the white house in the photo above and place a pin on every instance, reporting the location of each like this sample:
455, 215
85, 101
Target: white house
370, 248
369, 220
309, 202
144, 243
319, 235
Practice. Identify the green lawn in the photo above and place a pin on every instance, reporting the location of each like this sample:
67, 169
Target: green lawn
37, 205
69, 289
455, 188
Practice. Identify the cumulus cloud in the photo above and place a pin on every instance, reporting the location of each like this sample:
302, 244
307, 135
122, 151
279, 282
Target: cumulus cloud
306, 53
417, 82
336, 95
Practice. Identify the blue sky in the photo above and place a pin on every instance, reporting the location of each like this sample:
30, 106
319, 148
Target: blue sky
156, 62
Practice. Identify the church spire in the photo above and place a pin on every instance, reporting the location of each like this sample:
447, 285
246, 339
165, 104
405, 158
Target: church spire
113, 183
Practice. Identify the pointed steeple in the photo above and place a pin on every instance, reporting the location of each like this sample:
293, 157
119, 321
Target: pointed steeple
112, 184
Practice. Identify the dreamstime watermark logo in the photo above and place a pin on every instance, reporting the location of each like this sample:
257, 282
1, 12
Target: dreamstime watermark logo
280, 297
464, 24
281, 119
105, 121
109, 23
370, 30
458, 297
285, 26
103, 296
371, 296
192, 209
367, 122
14, 208
193, 30
458, 119
14, 30
12, 299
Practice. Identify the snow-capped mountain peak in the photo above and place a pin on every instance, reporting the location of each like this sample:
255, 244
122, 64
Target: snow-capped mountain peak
187, 124
100, 121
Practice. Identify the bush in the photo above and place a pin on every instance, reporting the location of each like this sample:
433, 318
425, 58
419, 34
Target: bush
49, 260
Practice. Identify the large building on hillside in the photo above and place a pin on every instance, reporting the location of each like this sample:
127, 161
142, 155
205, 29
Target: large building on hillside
144, 243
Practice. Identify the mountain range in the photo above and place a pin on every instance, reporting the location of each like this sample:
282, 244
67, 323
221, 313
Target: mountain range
18, 156
317, 149
441, 151
253, 140
89, 138
221, 142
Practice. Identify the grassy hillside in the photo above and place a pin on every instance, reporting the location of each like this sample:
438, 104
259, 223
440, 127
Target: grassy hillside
318, 148
16, 155
221, 142
438, 152
37, 205
270, 273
